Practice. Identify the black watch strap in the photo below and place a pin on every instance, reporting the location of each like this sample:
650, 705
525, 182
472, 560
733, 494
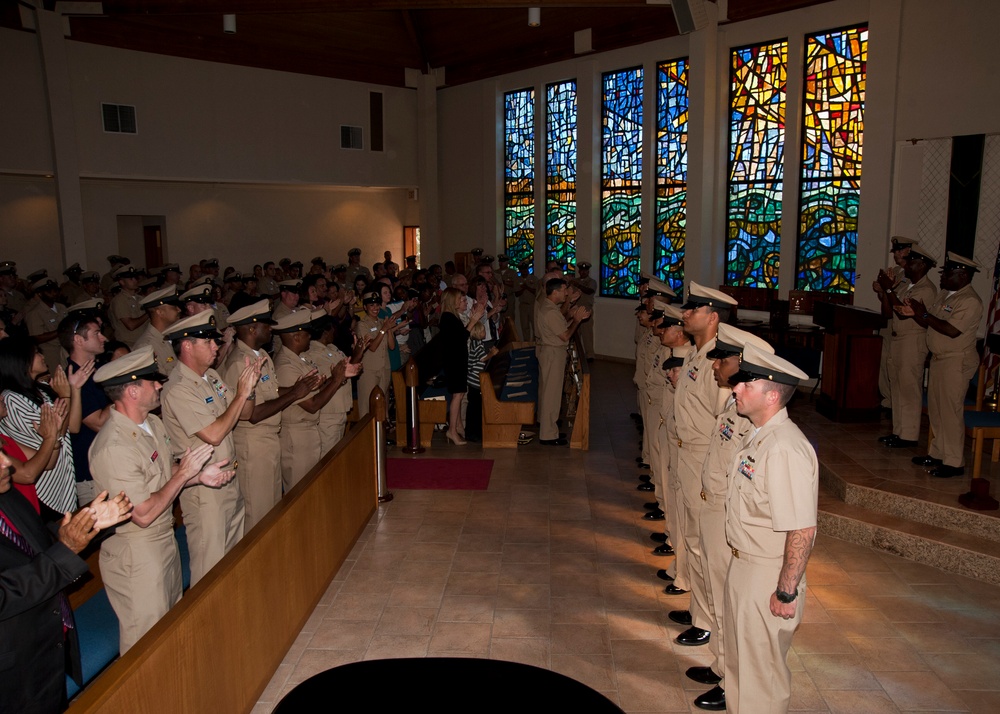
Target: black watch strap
786, 597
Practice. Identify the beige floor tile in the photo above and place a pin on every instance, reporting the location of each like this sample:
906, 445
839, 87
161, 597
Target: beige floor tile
889, 654
471, 608
460, 637
342, 635
853, 702
651, 692
406, 621
509, 623
397, 646
966, 671
596, 671
838, 671
526, 650
580, 639
919, 691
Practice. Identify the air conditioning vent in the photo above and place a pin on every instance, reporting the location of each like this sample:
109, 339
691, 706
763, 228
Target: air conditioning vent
118, 118
351, 137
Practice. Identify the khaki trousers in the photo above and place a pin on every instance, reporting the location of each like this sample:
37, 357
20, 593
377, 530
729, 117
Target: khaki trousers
300, 450
258, 450
716, 555
906, 376
214, 520
946, 388
551, 374
690, 461
757, 677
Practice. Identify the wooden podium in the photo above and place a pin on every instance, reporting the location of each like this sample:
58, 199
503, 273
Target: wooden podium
851, 352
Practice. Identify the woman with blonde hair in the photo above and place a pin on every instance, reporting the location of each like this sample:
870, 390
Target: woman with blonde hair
447, 354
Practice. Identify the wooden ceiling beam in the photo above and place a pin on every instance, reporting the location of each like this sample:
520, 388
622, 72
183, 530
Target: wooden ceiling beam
219, 7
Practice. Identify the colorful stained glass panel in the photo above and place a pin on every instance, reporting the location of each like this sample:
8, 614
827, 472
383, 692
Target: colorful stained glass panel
621, 182
671, 172
756, 147
832, 139
560, 178
519, 175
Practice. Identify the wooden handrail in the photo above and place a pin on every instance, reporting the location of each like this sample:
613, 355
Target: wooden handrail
218, 648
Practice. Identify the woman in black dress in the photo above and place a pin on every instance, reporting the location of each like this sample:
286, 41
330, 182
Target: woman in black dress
447, 354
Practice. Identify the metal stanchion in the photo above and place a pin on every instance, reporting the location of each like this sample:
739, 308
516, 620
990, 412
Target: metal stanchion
377, 405
412, 379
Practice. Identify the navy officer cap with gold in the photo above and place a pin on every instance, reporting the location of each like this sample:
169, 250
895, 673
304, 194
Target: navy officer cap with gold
658, 287
918, 253
166, 296
757, 364
88, 308
700, 296
259, 312
732, 341
137, 365
199, 293
954, 261
671, 317
899, 243
294, 322
200, 326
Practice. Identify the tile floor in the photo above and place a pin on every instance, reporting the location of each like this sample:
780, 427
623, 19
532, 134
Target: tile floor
551, 566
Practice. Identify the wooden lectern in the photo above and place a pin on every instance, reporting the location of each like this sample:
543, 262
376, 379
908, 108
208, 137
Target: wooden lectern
851, 352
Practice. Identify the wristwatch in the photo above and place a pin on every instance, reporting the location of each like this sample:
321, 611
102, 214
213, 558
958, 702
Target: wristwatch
786, 597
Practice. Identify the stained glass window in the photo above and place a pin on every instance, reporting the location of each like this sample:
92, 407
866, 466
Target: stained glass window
621, 182
833, 128
519, 175
560, 174
671, 171
756, 146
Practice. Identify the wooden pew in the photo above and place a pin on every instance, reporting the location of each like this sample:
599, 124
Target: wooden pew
429, 411
218, 648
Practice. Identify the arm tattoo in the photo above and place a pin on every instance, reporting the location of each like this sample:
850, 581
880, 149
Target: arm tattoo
798, 546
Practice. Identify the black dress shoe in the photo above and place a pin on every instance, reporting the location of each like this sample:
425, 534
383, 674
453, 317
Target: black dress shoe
943, 471
674, 590
645, 478
703, 675
636, 415
886, 439
681, 617
714, 700
553, 442
645, 487
638, 459
643, 465
656, 515
662, 575
898, 443
658, 537
926, 461
693, 636
651, 505
664, 549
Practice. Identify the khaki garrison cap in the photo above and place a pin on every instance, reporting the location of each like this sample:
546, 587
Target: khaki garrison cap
677, 355
954, 261
89, 308
658, 287
900, 243
699, 296
732, 340
201, 326
294, 322
140, 364
258, 312
199, 293
166, 296
757, 364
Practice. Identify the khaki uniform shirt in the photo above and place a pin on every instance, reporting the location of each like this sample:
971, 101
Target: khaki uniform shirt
125, 305
549, 325
369, 327
267, 386
289, 367
964, 310
699, 398
773, 488
585, 299
924, 291
191, 403
325, 357
41, 319
729, 433
166, 359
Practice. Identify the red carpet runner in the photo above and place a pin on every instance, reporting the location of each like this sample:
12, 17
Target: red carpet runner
439, 474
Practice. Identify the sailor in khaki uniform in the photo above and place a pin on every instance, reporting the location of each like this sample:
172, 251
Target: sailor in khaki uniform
952, 322
355, 268
164, 309
258, 446
140, 562
588, 288
696, 404
658, 295
676, 574
326, 355
125, 312
900, 250
199, 407
730, 430
381, 339
907, 346
553, 331
42, 321
301, 443
72, 291
771, 526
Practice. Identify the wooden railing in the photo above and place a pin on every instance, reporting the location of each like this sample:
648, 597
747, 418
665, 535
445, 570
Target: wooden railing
218, 648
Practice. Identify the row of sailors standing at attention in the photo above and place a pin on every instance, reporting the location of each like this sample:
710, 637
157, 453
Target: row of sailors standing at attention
736, 487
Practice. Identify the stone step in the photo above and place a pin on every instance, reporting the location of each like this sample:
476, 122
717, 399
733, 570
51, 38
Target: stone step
909, 503
948, 549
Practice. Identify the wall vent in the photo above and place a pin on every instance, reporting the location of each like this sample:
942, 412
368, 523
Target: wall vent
118, 118
351, 137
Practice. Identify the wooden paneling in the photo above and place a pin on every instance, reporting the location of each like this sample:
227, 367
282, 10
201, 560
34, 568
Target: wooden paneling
218, 648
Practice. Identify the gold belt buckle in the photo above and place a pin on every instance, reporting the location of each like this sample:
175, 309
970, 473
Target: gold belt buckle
680, 443
736, 553
703, 496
